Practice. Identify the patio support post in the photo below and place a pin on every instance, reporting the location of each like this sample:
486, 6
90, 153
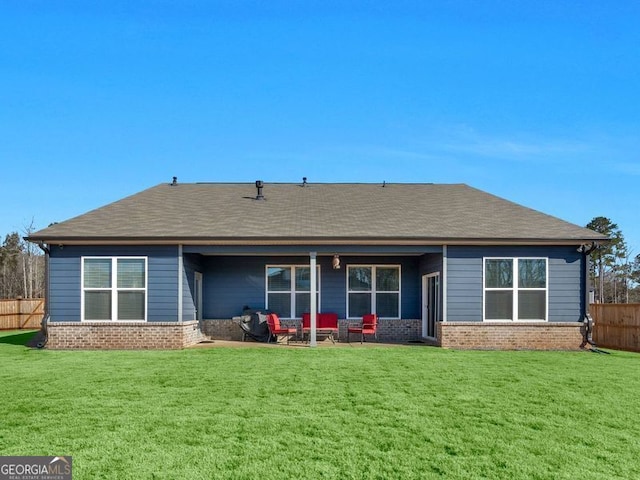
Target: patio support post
314, 307
180, 286
445, 281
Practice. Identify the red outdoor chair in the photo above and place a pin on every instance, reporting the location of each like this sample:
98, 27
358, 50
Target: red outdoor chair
368, 326
326, 324
275, 329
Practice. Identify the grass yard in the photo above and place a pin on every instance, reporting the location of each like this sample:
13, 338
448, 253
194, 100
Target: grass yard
273, 413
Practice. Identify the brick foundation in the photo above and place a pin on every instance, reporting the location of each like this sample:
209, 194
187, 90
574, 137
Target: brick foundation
388, 330
123, 335
394, 331
223, 329
176, 335
511, 336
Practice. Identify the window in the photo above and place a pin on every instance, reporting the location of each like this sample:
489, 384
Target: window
373, 289
114, 288
289, 290
515, 289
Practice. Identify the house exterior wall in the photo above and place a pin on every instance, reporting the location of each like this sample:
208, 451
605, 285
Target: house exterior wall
191, 264
230, 283
430, 263
465, 328
465, 277
65, 287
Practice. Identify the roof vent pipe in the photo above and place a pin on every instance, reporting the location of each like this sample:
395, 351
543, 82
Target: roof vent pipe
304, 181
259, 185
174, 182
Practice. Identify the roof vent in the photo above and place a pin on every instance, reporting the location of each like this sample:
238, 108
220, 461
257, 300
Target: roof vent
259, 185
304, 181
174, 182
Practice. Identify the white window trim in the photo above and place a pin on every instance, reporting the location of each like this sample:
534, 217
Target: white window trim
373, 290
514, 289
114, 287
293, 291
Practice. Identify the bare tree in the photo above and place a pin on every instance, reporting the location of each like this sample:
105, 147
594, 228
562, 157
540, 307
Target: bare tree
21, 267
31, 259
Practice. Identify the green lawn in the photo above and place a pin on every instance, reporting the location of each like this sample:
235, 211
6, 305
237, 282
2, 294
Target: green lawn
272, 413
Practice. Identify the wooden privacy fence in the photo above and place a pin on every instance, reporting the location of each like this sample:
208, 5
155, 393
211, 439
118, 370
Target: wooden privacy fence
616, 325
21, 313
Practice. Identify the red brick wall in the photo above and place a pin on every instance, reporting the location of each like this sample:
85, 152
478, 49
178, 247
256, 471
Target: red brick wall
122, 335
511, 336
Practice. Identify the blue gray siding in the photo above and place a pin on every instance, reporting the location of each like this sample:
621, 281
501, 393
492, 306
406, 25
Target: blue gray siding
191, 263
65, 269
64, 285
464, 277
233, 282
430, 263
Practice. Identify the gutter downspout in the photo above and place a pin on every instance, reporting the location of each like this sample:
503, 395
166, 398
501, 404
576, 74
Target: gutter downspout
586, 250
45, 317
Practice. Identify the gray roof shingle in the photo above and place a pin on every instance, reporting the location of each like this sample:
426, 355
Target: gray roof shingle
227, 212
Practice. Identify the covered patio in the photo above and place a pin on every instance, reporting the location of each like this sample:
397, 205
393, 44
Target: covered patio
350, 281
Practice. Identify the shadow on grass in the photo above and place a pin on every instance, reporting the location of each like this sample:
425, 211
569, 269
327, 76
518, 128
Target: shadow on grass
17, 337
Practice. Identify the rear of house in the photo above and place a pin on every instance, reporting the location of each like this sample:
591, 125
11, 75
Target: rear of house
447, 264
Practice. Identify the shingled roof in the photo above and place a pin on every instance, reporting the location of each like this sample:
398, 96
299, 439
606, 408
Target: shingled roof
295, 213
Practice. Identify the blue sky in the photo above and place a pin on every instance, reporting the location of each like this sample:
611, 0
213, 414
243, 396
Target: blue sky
537, 102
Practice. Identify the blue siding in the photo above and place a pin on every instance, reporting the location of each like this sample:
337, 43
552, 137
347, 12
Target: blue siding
430, 263
230, 282
233, 282
65, 269
464, 280
464, 284
303, 250
163, 284
64, 281
566, 294
191, 264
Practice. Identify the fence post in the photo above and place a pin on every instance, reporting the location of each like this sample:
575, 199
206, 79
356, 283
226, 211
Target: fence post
20, 313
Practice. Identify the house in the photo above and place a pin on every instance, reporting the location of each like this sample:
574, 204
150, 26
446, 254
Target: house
446, 264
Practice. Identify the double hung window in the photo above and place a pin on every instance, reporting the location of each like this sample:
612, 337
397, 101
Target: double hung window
114, 288
373, 289
515, 288
289, 290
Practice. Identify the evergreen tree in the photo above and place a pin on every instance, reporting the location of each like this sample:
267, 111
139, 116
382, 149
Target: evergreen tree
608, 261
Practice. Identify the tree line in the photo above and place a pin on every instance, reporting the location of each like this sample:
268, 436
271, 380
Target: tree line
615, 272
21, 267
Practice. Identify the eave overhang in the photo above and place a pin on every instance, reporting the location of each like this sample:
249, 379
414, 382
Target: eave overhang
288, 241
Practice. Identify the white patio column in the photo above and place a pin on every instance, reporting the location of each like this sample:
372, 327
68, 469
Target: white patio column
445, 281
180, 286
314, 307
